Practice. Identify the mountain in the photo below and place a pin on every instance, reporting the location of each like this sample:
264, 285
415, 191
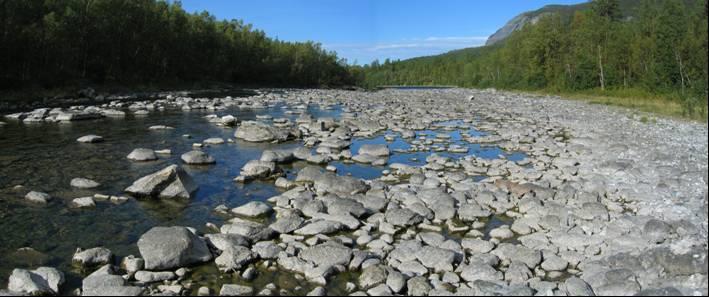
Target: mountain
627, 7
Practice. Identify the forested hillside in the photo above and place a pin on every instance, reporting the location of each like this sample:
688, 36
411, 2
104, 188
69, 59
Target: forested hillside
662, 50
53, 43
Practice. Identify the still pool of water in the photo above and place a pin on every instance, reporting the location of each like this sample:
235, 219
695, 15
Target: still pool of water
45, 157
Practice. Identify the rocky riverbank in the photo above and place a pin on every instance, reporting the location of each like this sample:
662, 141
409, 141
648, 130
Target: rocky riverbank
603, 203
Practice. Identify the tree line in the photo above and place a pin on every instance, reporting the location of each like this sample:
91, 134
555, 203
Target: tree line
661, 49
54, 43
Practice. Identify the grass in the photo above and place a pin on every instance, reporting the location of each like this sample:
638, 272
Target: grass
667, 105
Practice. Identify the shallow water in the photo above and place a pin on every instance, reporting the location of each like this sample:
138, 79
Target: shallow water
45, 157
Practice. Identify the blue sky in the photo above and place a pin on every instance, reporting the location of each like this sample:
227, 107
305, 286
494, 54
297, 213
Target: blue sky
365, 30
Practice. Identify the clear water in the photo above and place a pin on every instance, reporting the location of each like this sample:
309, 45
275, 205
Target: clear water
45, 157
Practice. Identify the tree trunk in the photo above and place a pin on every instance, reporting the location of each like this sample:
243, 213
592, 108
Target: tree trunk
681, 68
600, 67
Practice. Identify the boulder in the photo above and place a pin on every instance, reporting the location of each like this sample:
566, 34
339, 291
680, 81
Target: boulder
83, 183
170, 182
253, 209
165, 248
92, 257
255, 169
197, 158
236, 290
235, 258
83, 202
142, 155
90, 139
41, 281
105, 282
38, 197
377, 150
252, 131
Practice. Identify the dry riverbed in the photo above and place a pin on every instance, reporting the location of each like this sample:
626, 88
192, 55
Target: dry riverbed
577, 200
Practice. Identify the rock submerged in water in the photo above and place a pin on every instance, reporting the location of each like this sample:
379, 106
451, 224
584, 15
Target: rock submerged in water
38, 197
90, 139
170, 182
84, 183
164, 248
197, 158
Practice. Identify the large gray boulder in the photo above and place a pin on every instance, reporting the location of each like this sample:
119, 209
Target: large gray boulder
252, 131
41, 281
165, 248
170, 182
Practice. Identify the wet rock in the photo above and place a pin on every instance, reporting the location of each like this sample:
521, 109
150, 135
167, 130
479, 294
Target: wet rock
197, 158
83, 183
277, 156
90, 139
160, 127
172, 247
259, 132
92, 257
41, 281
142, 155
253, 209
170, 182
255, 169
38, 197
83, 202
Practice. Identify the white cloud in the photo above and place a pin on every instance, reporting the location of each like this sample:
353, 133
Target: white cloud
404, 49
